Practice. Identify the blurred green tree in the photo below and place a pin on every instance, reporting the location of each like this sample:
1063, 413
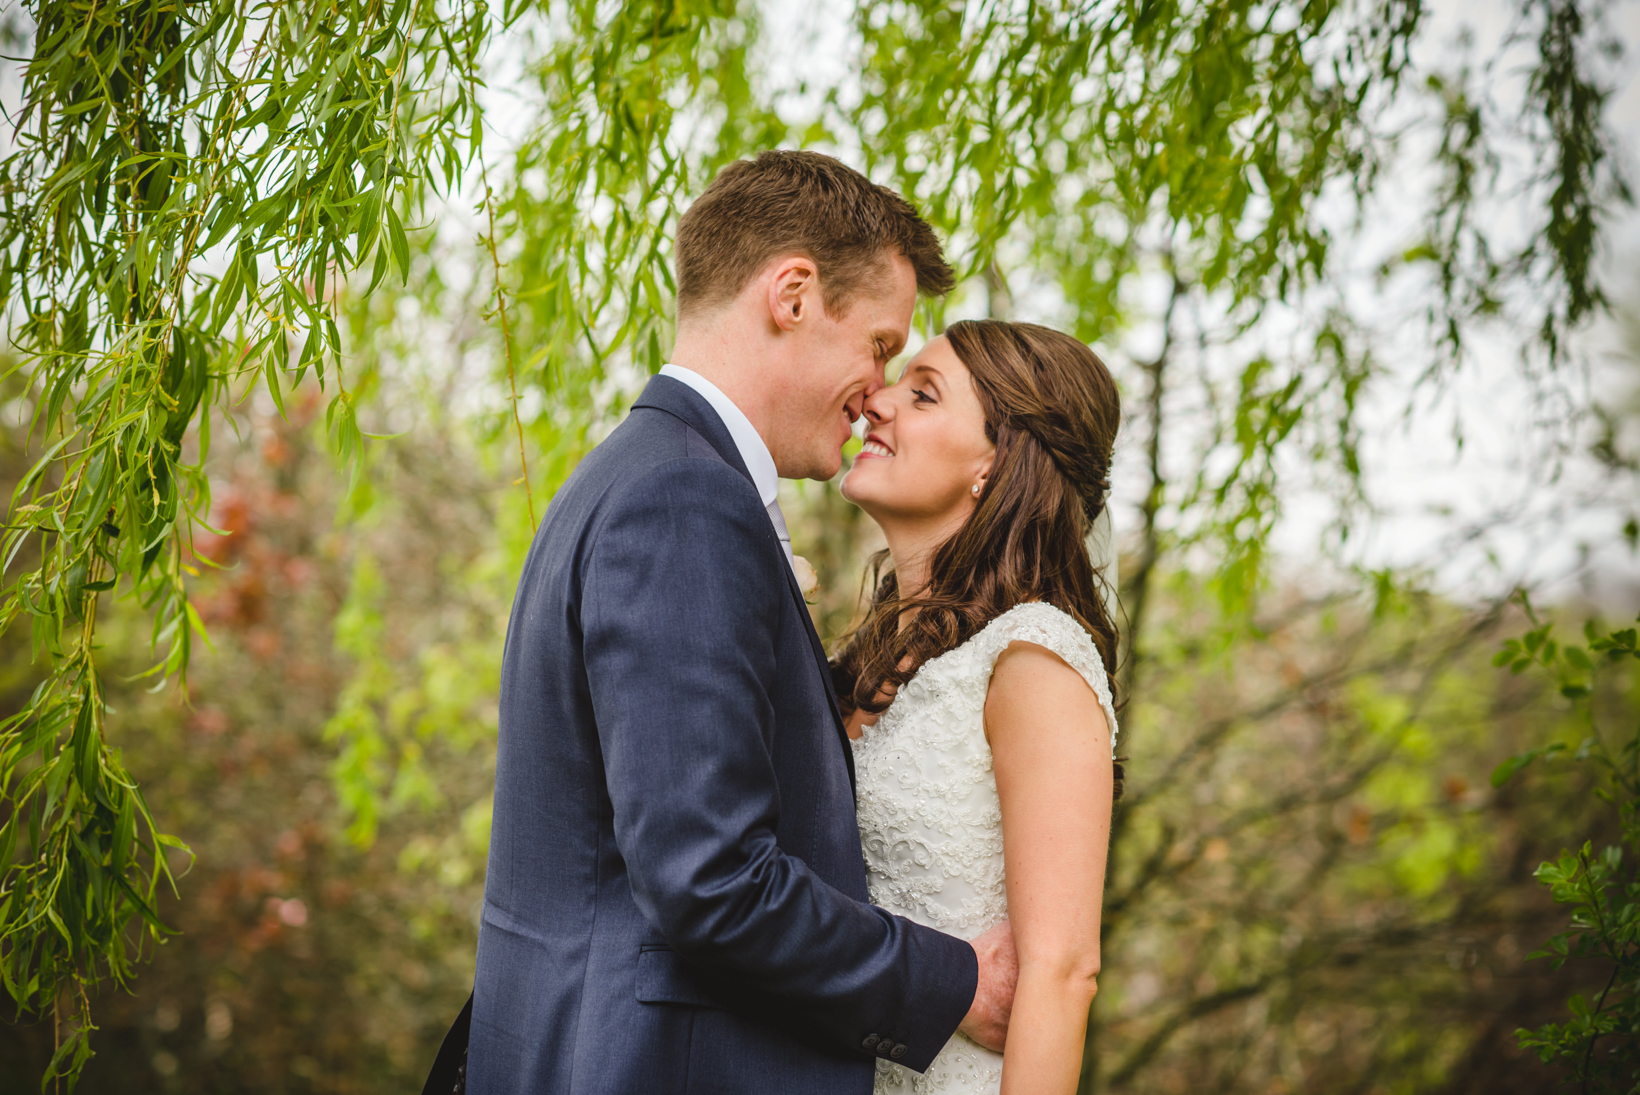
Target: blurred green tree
1599, 1045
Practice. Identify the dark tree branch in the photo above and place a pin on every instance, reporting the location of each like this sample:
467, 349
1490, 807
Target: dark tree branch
1136, 590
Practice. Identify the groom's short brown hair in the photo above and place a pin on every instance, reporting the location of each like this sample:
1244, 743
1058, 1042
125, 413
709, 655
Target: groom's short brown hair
804, 203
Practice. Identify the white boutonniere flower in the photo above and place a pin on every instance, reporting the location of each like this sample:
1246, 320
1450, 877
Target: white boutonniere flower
807, 580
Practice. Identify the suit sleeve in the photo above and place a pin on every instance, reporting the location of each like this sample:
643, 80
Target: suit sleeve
681, 598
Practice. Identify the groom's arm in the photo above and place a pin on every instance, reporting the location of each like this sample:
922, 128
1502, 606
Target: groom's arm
681, 596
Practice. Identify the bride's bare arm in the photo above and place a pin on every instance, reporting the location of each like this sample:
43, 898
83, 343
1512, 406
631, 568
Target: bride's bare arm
1051, 747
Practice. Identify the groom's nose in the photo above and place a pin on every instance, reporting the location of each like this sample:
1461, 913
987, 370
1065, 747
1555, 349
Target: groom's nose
879, 381
877, 406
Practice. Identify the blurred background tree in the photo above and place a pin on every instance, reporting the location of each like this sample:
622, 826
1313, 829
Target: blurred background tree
242, 241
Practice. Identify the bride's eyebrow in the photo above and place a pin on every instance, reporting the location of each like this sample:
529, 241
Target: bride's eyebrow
929, 374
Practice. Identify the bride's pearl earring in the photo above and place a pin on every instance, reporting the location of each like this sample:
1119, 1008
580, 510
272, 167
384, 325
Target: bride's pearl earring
976, 488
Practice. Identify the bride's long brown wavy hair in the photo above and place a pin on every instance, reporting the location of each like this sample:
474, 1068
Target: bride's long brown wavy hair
1052, 411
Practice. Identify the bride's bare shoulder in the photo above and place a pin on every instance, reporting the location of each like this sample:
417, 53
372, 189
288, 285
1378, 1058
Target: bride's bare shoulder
1031, 685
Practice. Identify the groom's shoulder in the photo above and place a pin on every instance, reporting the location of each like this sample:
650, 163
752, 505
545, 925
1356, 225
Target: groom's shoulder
653, 451
650, 438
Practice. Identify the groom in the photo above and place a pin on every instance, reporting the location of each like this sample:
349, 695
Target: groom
676, 898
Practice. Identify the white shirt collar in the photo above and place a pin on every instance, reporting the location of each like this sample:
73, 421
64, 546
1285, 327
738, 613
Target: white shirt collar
753, 452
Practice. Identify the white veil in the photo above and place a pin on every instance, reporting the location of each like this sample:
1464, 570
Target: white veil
1101, 544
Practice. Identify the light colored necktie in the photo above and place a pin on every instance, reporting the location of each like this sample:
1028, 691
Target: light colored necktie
778, 519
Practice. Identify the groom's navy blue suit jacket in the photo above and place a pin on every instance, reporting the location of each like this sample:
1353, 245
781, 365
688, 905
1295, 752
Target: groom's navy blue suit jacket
676, 898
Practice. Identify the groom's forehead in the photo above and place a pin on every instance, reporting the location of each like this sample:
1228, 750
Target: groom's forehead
884, 305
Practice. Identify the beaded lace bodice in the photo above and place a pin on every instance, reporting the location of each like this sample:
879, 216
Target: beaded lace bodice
930, 821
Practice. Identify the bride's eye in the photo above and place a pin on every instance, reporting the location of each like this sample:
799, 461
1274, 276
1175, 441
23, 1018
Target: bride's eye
922, 396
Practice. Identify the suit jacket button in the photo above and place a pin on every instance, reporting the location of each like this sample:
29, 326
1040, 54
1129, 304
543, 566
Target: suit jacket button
885, 1047
898, 1051
869, 1041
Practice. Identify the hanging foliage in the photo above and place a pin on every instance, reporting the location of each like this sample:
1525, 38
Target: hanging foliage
199, 190
191, 185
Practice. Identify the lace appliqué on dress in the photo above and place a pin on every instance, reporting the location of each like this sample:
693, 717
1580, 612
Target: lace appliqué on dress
930, 821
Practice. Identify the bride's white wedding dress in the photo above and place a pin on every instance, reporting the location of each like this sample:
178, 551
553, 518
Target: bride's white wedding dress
930, 821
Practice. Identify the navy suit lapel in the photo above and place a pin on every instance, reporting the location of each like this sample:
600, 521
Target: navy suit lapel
681, 401
819, 650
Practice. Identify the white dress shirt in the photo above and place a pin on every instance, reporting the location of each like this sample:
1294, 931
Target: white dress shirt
753, 452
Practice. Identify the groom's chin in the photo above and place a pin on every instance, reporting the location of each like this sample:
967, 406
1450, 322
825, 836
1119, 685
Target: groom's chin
823, 466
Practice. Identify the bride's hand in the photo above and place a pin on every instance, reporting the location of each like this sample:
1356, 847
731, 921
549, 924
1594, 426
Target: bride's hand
987, 1019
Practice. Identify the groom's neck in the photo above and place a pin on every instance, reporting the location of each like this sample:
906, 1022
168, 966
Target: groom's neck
733, 359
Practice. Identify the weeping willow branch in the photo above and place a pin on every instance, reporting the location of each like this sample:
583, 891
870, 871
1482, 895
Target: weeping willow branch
185, 181
196, 185
506, 341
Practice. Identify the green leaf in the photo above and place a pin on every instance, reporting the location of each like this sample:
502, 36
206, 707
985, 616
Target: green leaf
1504, 772
401, 245
270, 370
1507, 770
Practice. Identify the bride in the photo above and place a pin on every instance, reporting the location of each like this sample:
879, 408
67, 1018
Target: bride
976, 687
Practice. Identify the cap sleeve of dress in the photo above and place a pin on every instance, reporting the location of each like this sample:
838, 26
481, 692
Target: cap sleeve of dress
1046, 626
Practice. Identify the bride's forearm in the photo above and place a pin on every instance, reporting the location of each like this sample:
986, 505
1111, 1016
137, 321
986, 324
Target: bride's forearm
1046, 1033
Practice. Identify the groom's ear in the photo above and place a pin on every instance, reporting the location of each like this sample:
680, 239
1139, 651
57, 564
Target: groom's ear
794, 291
